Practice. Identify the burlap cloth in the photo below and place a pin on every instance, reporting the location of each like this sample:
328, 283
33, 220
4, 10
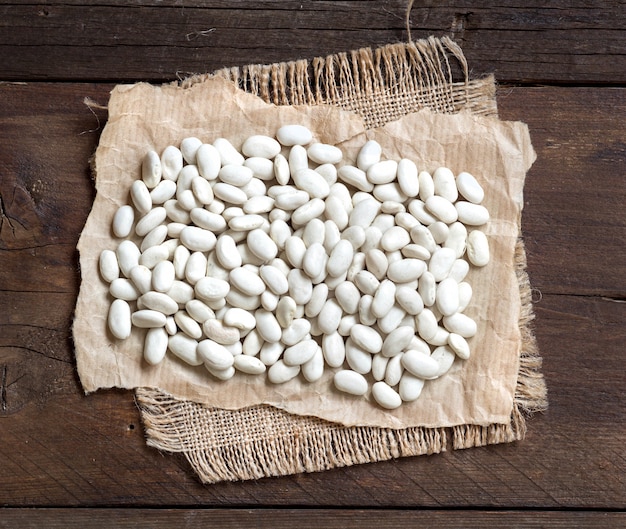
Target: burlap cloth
381, 86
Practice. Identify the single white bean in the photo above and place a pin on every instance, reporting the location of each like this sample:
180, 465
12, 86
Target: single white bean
214, 355
447, 298
122, 288
209, 161
185, 348
267, 326
357, 358
108, 265
460, 324
262, 146
249, 364
171, 163
298, 354
410, 387
368, 155
199, 310
262, 245
420, 364
163, 276
290, 135
323, 153
228, 153
355, 177
239, 318
246, 281
148, 319
386, 396
296, 331
119, 319
279, 373
123, 221
469, 187
188, 325
217, 331
444, 184
155, 345
151, 169
406, 270
351, 382
394, 371
478, 248
472, 214
397, 341
384, 298
367, 338
382, 172
459, 345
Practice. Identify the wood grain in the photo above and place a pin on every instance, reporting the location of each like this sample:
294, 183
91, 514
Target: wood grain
60, 448
287, 518
531, 42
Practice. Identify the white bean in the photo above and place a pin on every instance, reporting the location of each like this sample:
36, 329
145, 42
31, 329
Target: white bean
262, 146
119, 319
123, 221
386, 396
279, 373
171, 163
366, 338
472, 214
108, 265
185, 348
290, 135
444, 184
151, 169
469, 188
155, 345
419, 364
249, 364
148, 319
382, 172
214, 355
209, 161
323, 153
478, 248
350, 382
267, 326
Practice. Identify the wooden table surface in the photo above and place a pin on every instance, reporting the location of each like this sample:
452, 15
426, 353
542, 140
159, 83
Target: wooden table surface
67, 460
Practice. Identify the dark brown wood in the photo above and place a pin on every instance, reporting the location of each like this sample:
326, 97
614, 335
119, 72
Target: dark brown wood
60, 448
529, 42
331, 519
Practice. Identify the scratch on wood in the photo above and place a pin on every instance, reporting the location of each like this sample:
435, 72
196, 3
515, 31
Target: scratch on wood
3, 391
4, 216
459, 22
196, 34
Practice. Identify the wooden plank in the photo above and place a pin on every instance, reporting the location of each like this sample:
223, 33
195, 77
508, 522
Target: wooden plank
563, 42
287, 518
63, 449
574, 217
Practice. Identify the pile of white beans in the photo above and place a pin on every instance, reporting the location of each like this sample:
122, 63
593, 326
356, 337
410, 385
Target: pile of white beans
283, 259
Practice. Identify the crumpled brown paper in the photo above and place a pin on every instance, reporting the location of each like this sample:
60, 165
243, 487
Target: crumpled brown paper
143, 117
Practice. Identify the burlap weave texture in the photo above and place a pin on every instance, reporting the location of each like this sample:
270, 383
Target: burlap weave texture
380, 85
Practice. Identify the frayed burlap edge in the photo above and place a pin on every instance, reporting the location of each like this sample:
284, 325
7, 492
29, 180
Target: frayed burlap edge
261, 441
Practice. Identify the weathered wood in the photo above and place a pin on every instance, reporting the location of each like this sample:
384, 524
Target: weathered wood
287, 518
573, 222
60, 448
532, 42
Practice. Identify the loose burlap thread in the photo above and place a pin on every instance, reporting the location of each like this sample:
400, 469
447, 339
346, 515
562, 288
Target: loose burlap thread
380, 85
